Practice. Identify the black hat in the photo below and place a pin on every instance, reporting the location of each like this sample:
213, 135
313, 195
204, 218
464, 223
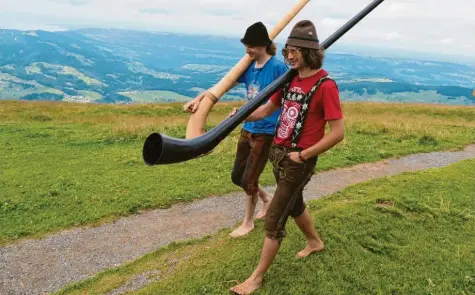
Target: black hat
256, 35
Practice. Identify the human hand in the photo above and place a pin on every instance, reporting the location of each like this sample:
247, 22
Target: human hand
233, 112
294, 156
193, 104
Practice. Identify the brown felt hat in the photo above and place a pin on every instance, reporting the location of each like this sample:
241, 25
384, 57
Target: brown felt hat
304, 35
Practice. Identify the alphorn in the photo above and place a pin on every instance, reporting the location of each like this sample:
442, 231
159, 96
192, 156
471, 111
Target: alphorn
197, 120
160, 149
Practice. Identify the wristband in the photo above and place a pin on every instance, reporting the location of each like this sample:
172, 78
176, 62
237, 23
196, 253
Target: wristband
212, 97
300, 156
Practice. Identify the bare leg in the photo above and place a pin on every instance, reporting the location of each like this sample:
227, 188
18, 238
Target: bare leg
264, 196
314, 244
248, 222
254, 282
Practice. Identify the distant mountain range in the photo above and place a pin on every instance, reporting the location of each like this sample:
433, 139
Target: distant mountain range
117, 66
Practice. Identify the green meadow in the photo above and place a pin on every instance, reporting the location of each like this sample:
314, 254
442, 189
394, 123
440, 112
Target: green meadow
73, 164
412, 233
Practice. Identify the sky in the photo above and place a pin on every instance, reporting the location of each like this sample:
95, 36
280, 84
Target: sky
432, 26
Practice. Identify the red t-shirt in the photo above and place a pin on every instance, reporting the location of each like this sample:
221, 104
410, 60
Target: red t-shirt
324, 106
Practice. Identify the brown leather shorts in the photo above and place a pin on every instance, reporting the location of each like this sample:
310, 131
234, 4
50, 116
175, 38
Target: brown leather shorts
251, 159
291, 178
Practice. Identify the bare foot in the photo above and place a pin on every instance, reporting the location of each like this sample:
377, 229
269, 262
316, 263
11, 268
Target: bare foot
242, 230
248, 287
262, 213
312, 247
264, 196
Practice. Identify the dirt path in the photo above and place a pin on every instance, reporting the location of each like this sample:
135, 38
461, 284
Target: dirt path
46, 265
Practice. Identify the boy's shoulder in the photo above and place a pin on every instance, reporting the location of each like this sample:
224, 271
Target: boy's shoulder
279, 65
278, 62
329, 81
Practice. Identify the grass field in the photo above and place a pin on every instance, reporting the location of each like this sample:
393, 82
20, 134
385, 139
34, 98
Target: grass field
407, 234
155, 96
70, 164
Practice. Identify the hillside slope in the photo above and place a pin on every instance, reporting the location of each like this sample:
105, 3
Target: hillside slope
116, 66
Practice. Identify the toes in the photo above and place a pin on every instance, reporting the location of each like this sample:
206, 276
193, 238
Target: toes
300, 255
236, 290
306, 252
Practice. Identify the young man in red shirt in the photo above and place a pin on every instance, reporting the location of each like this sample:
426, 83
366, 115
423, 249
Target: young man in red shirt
308, 103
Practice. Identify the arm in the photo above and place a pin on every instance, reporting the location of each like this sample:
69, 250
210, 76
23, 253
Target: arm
262, 112
336, 134
193, 104
272, 105
334, 117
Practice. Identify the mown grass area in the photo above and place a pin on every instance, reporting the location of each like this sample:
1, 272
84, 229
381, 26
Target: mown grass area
68, 164
408, 234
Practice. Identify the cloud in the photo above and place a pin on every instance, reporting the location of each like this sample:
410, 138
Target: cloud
398, 6
425, 25
333, 22
392, 36
447, 41
78, 2
154, 11
72, 2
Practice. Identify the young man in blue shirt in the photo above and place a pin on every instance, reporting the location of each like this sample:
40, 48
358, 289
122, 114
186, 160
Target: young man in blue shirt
256, 137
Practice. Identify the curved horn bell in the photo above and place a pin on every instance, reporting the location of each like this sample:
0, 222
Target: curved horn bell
160, 149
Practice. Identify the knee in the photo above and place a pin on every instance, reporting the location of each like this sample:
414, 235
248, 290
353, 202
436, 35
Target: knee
297, 210
244, 182
249, 185
273, 231
236, 178
276, 235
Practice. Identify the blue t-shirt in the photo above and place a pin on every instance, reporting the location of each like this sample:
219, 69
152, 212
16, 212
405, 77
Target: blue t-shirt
255, 81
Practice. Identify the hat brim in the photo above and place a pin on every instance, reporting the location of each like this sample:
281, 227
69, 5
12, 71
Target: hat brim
255, 43
303, 43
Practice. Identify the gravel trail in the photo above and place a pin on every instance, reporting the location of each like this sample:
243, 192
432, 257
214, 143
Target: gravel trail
46, 265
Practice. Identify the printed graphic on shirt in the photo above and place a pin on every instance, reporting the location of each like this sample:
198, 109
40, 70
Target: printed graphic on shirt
296, 90
253, 90
290, 113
